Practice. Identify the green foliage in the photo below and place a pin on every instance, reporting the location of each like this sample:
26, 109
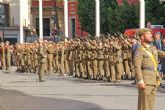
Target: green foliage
155, 11
114, 17
86, 12
108, 15
120, 17
127, 16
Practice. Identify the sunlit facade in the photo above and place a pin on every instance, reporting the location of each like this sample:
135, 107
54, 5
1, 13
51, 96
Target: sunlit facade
58, 5
50, 21
14, 13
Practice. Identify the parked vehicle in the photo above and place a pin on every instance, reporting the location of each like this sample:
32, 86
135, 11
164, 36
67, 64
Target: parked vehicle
133, 32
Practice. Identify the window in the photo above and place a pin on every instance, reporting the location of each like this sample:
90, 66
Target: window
46, 26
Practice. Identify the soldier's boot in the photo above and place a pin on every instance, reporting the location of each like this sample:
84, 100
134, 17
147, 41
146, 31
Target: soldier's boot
92, 77
109, 79
36, 69
83, 75
26, 70
129, 76
50, 71
79, 75
113, 80
99, 77
95, 74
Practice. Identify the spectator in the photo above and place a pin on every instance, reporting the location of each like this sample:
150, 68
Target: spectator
158, 43
157, 40
163, 61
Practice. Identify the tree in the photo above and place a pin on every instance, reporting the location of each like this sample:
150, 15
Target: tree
86, 13
108, 15
127, 16
120, 17
112, 16
155, 11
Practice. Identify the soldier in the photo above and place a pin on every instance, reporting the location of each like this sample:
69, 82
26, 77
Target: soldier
94, 60
21, 53
29, 59
106, 59
88, 59
100, 60
42, 60
57, 67
8, 55
78, 59
119, 63
112, 62
35, 56
31, 50
62, 49
84, 72
130, 60
71, 57
3, 56
146, 64
25, 56
17, 57
66, 58
125, 58
50, 51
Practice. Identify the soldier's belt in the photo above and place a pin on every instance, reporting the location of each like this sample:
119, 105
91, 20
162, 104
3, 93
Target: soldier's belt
149, 68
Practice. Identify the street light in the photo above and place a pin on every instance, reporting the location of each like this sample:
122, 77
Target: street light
3, 25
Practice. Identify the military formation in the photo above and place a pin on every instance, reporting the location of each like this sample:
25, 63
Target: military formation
103, 58
5, 56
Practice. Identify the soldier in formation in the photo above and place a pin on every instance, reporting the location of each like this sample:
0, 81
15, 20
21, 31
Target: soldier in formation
5, 56
104, 58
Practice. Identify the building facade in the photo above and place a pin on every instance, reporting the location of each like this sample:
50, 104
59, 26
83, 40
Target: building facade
10, 22
53, 17
58, 6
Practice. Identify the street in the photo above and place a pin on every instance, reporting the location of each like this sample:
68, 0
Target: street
22, 91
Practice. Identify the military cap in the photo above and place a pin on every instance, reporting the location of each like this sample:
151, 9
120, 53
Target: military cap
143, 31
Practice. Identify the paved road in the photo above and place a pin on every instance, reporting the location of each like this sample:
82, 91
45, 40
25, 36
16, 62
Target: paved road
22, 91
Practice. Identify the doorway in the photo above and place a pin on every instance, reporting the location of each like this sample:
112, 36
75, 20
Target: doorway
46, 26
73, 28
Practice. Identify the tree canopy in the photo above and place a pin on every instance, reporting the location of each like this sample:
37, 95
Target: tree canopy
155, 11
86, 13
115, 17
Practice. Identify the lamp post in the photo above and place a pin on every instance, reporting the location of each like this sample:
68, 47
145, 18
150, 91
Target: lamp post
3, 25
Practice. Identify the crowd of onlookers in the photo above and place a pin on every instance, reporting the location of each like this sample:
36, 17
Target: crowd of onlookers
159, 43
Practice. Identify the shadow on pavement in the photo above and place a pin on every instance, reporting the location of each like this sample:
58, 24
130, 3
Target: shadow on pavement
13, 100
